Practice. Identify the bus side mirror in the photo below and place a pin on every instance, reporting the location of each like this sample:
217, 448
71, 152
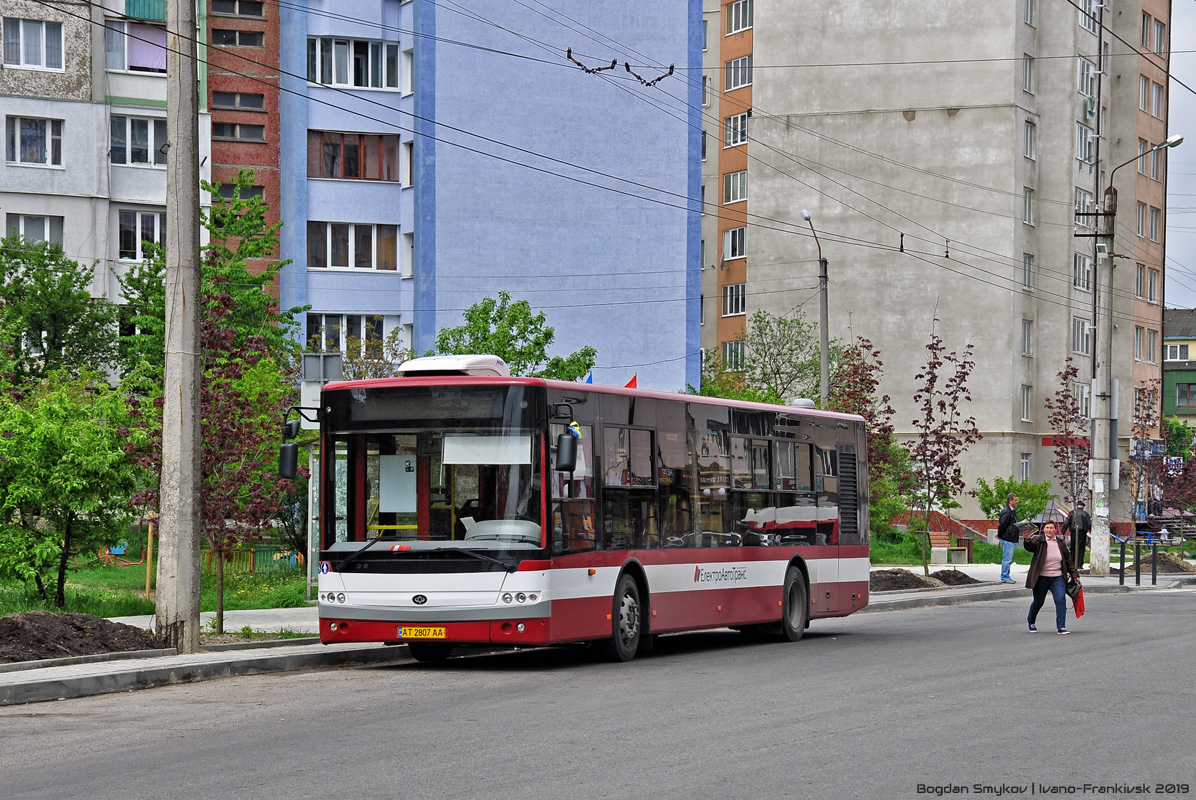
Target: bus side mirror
566, 452
290, 429
288, 460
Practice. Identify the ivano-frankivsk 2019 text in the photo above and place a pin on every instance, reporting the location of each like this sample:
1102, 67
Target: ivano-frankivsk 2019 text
1048, 789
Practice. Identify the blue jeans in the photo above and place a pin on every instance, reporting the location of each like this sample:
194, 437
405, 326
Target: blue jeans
1007, 549
1058, 590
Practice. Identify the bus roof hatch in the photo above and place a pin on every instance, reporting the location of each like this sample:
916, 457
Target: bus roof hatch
480, 365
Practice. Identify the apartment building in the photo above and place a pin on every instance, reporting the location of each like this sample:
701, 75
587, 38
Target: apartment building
951, 156
83, 96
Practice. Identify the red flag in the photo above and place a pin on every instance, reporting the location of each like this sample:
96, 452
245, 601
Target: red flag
631, 383
1079, 603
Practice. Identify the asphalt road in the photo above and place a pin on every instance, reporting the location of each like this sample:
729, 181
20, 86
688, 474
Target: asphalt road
895, 704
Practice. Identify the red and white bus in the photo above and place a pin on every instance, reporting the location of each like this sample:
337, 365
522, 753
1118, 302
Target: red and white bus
461, 506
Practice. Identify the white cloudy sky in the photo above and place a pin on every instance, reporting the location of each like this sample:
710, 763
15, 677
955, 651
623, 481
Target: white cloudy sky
1181, 175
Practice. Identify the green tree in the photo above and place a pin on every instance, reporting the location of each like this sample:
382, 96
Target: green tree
510, 330
46, 305
1032, 497
65, 480
783, 355
1179, 438
731, 384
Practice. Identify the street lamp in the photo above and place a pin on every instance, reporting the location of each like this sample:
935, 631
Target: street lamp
824, 374
1103, 445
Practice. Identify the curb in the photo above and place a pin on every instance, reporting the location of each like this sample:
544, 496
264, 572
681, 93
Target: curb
145, 676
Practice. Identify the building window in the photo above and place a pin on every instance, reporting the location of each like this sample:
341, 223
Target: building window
1081, 336
1156, 100
1175, 352
1027, 271
225, 37
239, 101
1028, 73
331, 332
1028, 205
735, 187
1160, 37
1027, 403
1140, 281
735, 129
705, 36
358, 156
739, 16
229, 192
1031, 146
352, 245
1081, 271
1141, 219
40, 228
703, 144
1027, 337
735, 243
136, 229
134, 47
239, 131
406, 164
1084, 208
1143, 93
1185, 395
1156, 218
1024, 466
1088, 9
1142, 148
407, 267
739, 73
239, 8
1086, 78
1029, 11
733, 356
735, 300
706, 92
1082, 392
33, 141
32, 43
1139, 335
1152, 347
1146, 20
1152, 286
407, 85
1156, 163
138, 140
353, 62
1084, 142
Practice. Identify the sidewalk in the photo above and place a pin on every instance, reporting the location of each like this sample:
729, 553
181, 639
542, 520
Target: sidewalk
35, 681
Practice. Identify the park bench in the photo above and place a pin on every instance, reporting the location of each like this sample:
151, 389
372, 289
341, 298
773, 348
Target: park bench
943, 552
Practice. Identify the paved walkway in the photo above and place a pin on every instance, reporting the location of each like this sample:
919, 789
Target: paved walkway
34, 681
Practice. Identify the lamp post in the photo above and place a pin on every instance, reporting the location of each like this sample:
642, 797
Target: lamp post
824, 379
1103, 445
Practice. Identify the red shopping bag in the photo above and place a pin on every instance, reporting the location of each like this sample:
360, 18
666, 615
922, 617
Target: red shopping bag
1079, 602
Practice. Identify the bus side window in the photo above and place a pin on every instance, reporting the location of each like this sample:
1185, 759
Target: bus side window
573, 513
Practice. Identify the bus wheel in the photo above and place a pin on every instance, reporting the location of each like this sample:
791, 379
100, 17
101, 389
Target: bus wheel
428, 653
795, 606
625, 620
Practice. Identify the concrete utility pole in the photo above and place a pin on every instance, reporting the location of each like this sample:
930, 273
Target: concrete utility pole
177, 600
824, 379
1104, 463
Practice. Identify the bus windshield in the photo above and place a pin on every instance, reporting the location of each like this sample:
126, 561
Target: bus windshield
443, 469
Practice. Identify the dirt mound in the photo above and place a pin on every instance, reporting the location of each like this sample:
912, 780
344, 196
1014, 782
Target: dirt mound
888, 580
1166, 563
40, 634
953, 577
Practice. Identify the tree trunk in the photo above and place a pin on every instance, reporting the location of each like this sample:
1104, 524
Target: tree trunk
219, 591
60, 596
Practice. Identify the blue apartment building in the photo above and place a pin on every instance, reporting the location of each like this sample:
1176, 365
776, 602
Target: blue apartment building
435, 154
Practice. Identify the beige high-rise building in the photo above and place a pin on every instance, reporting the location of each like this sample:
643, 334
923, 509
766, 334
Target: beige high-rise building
948, 154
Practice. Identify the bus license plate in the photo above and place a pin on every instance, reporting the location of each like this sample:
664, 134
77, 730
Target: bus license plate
421, 633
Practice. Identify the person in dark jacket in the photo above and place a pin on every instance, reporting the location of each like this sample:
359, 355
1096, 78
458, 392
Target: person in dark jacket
1008, 534
1050, 564
1078, 524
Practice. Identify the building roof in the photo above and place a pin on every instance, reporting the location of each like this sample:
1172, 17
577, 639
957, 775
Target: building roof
1179, 323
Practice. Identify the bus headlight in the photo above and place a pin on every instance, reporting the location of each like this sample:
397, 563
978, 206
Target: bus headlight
506, 598
521, 598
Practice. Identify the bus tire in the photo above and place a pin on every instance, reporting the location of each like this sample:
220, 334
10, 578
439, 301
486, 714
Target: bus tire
429, 653
626, 621
795, 606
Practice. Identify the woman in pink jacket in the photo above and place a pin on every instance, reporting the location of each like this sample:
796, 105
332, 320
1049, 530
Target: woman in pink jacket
1050, 564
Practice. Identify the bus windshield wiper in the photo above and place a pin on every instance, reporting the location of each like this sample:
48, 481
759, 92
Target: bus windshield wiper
356, 554
479, 556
